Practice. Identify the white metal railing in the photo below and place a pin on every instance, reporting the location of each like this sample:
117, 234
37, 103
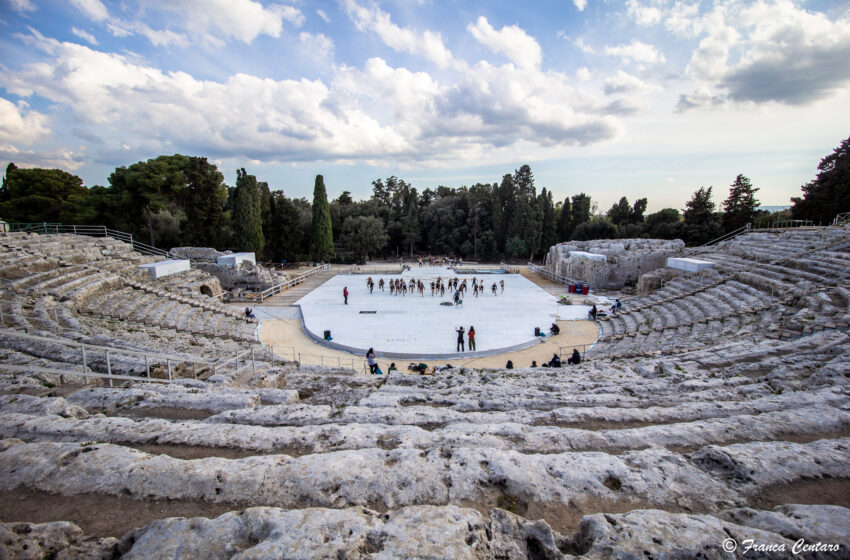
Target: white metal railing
111, 351
549, 274
92, 231
564, 350
62, 372
278, 288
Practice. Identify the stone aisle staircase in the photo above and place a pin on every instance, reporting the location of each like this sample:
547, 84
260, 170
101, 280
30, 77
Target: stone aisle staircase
293, 294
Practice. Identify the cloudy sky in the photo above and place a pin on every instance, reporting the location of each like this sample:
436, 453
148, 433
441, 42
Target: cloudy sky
640, 98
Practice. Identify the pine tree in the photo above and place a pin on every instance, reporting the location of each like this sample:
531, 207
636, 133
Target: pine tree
741, 206
829, 193
321, 231
701, 224
247, 219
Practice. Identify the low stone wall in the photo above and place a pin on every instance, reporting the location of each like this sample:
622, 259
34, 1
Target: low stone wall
627, 260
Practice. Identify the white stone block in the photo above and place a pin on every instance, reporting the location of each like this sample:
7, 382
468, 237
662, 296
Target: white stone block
689, 265
588, 256
235, 259
164, 268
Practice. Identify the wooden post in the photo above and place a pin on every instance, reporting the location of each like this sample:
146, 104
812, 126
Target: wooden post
147, 367
168, 365
109, 368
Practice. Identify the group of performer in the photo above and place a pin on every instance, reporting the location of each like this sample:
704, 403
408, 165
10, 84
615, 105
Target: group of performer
399, 287
439, 261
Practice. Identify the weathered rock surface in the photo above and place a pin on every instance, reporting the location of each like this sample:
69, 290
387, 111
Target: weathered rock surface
26, 404
60, 540
626, 260
188, 395
447, 532
321, 437
413, 532
717, 477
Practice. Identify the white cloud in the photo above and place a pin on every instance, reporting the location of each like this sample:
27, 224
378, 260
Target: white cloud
586, 49
623, 107
321, 13
767, 51
643, 14
683, 20
376, 112
624, 82
284, 119
511, 41
402, 39
93, 9
318, 45
22, 6
583, 74
702, 98
65, 159
84, 35
580, 4
636, 51
242, 20
21, 126
211, 21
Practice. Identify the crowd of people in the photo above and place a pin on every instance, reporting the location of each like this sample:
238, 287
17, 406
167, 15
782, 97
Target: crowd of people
449, 262
438, 287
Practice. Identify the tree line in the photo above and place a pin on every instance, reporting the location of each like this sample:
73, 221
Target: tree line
181, 200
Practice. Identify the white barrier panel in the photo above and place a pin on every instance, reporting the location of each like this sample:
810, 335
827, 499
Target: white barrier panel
235, 259
164, 268
689, 265
588, 256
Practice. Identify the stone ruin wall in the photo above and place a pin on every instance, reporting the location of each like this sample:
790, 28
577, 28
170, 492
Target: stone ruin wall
245, 277
627, 260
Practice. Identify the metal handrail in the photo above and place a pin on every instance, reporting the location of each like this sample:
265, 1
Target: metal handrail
562, 350
92, 231
550, 275
99, 347
56, 371
725, 237
278, 288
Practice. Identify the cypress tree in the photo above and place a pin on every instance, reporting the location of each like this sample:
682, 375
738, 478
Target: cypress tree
321, 233
565, 221
549, 233
247, 219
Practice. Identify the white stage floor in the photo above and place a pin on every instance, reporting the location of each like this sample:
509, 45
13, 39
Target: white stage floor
413, 325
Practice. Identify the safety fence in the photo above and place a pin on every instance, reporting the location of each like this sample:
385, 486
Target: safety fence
88, 354
278, 288
91, 231
548, 274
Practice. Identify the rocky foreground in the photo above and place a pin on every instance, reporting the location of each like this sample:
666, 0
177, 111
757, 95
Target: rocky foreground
446, 532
